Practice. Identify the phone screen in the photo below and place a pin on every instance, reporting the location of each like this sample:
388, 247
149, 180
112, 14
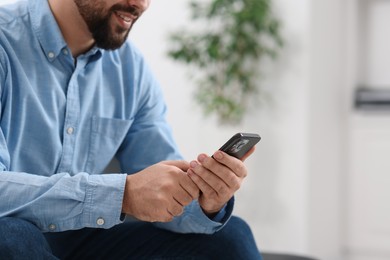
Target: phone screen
239, 144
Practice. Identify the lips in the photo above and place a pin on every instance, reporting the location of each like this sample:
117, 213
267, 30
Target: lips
125, 20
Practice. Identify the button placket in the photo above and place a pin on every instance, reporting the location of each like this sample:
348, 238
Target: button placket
70, 130
70, 123
51, 55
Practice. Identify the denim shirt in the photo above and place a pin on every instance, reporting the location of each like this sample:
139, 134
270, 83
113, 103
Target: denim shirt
62, 120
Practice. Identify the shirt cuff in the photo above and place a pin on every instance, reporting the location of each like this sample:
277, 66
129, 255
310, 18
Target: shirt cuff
194, 220
104, 198
225, 213
221, 214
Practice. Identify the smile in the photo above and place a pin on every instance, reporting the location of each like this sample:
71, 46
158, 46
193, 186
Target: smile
124, 17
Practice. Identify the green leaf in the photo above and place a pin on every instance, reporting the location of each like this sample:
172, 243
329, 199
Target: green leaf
235, 36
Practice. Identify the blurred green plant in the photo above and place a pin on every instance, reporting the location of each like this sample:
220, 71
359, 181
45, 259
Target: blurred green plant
225, 53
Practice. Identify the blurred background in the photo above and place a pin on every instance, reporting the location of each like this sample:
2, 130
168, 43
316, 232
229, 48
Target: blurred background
319, 181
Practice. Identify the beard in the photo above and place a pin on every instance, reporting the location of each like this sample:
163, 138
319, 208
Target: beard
98, 19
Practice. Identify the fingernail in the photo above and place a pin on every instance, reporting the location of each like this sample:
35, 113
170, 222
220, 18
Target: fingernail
193, 164
190, 173
201, 158
218, 155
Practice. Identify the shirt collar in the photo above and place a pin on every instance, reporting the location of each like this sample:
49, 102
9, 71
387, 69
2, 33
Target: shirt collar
48, 32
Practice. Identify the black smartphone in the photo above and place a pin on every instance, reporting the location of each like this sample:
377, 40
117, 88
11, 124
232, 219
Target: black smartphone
239, 144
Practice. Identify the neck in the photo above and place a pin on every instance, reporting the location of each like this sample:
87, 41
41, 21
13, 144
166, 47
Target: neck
72, 25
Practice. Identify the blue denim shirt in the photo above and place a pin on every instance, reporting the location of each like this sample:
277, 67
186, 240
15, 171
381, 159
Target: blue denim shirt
63, 120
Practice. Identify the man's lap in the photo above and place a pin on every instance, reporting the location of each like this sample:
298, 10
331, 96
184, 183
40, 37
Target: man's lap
20, 240
140, 240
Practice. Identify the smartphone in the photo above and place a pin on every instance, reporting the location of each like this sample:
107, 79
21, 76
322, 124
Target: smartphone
239, 144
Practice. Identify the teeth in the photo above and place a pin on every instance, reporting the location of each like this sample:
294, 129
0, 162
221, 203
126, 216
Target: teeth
126, 19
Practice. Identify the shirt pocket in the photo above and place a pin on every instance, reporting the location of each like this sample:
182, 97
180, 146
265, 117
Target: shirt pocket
107, 134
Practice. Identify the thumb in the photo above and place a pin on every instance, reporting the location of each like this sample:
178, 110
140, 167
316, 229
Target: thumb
248, 153
181, 164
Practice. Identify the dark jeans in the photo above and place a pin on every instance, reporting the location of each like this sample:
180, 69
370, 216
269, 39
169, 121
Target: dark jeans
20, 239
131, 240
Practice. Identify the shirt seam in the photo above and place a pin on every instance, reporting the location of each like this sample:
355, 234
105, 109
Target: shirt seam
14, 18
40, 35
3, 72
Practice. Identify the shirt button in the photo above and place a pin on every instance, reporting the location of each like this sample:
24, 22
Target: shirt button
52, 227
100, 221
51, 55
70, 130
65, 52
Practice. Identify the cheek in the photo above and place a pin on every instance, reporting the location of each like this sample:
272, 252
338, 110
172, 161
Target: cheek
147, 4
141, 4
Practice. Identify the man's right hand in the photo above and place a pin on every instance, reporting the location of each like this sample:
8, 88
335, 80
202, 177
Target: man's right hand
159, 192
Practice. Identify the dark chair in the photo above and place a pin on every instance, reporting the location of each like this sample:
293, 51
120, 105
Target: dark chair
274, 256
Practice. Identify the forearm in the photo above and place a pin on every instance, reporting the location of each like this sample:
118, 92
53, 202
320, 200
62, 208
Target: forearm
63, 202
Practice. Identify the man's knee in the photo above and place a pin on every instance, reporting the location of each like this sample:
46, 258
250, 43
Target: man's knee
236, 240
237, 230
20, 239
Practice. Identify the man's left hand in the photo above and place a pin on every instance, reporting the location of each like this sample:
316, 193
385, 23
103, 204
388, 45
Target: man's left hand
218, 178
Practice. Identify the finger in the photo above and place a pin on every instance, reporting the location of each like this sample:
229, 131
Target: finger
183, 197
252, 150
213, 180
202, 185
167, 217
234, 164
175, 209
181, 164
160, 215
190, 187
230, 178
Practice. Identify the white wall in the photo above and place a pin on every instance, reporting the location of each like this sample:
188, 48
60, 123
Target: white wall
327, 125
6, 1
292, 196
274, 199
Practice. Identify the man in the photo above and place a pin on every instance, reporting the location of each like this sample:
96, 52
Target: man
75, 94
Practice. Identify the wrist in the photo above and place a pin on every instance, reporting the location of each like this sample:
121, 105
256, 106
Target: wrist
127, 197
211, 213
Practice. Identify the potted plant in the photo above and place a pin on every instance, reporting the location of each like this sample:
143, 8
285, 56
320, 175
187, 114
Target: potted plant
225, 54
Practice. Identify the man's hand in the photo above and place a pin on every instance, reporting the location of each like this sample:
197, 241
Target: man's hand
218, 178
159, 192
